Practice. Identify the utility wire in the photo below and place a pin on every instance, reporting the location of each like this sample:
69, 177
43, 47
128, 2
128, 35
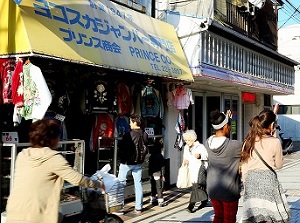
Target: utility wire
295, 12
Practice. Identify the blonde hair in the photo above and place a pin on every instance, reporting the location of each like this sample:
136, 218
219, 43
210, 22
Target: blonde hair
189, 134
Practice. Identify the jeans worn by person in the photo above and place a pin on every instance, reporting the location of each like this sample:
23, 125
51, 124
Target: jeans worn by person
136, 171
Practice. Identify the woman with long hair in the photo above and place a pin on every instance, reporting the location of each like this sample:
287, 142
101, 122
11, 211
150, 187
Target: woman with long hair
223, 179
263, 200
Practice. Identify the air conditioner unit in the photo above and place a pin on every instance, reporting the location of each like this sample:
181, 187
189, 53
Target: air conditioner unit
258, 3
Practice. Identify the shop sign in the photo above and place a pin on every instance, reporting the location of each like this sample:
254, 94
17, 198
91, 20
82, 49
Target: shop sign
248, 97
100, 32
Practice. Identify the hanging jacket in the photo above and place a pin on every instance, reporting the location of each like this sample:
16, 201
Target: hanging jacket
124, 99
37, 97
149, 103
7, 66
103, 127
182, 97
17, 85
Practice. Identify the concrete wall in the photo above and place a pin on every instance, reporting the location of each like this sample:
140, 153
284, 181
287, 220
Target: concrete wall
170, 137
289, 45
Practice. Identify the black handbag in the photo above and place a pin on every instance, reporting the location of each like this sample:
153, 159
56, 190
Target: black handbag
198, 198
202, 175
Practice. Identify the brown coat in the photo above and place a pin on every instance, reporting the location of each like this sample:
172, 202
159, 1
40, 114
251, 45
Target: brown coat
38, 180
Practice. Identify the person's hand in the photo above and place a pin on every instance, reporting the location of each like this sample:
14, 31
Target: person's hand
102, 186
185, 162
163, 178
229, 113
197, 155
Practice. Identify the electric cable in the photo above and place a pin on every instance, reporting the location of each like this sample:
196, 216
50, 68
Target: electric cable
292, 12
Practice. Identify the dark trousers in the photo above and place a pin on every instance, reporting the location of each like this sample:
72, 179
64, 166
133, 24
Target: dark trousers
156, 187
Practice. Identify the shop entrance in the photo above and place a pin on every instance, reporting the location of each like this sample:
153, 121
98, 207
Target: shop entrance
231, 102
196, 117
212, 103
199, 113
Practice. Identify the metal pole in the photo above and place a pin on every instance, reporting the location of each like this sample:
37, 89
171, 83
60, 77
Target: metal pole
153, 8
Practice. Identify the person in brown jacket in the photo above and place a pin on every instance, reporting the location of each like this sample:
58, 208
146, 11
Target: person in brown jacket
39, 175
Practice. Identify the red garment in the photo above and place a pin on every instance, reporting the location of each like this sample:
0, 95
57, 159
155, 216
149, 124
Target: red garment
17, 85
225, 211
124, 99
7, 66
104, 126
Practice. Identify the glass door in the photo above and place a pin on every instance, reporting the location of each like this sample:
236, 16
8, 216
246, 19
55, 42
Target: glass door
231, 103
212, 103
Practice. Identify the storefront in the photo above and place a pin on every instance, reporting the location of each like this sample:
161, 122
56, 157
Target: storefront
96, 57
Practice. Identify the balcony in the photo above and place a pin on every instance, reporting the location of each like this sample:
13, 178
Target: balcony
258, 24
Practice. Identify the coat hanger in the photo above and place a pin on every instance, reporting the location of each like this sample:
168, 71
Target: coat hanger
27, 61
149, 82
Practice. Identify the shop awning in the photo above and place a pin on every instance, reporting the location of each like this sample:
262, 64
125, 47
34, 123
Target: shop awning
96, 32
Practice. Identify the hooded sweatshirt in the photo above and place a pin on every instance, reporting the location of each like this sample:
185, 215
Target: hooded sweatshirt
223, 179
38, 180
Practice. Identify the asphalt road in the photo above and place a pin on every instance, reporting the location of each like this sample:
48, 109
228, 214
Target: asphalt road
294, 155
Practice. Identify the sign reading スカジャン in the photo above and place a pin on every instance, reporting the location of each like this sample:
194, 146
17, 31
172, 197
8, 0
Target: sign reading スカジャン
96, 32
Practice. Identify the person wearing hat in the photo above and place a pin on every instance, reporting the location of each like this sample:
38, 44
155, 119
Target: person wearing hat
223, 178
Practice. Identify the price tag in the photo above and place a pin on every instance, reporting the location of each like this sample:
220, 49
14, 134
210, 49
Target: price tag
10, 137
60, 117
149, 131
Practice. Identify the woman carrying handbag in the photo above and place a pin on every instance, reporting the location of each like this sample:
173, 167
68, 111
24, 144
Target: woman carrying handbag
194, 156
264, 200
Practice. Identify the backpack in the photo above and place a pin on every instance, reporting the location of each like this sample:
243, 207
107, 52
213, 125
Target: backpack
141, 150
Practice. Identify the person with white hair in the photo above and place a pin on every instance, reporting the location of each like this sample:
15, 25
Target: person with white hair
194, 155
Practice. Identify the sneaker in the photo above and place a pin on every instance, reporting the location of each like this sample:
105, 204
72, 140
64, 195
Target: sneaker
138, 211
162, 204
153, 200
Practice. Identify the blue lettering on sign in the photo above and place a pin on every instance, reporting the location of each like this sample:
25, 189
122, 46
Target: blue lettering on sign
144, 54
158, 62
101, 29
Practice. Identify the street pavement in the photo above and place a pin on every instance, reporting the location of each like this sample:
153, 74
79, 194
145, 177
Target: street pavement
177, 200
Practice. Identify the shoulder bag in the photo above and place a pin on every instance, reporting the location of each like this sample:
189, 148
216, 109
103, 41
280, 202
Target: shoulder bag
202, 175
283, 197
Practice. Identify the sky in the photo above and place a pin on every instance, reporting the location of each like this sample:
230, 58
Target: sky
285, 13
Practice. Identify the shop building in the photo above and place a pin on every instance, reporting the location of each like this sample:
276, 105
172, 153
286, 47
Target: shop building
101, 61
231, 47
289, 107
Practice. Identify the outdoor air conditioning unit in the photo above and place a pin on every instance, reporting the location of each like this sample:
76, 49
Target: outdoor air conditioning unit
258, 3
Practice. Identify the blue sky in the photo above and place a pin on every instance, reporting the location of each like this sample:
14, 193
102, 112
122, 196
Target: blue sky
284, 14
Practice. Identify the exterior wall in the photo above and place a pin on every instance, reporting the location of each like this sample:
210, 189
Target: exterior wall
289, 45
251, 110
169, 140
